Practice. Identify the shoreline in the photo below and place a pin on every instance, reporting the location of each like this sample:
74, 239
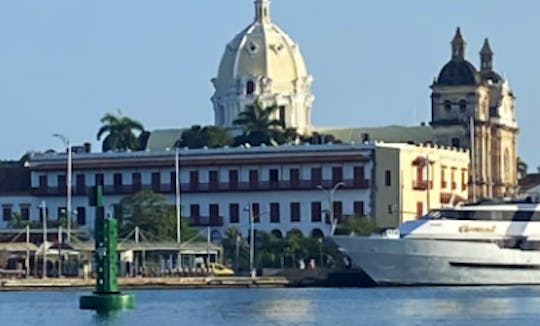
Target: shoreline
145, 283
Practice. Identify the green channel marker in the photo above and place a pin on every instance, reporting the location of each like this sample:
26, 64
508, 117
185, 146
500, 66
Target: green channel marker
107, 296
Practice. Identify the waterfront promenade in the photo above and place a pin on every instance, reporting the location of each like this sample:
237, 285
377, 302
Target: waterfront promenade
145, 282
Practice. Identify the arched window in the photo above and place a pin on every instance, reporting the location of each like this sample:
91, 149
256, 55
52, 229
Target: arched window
447, 105
462, 106
277, 233
250, 87
317, 234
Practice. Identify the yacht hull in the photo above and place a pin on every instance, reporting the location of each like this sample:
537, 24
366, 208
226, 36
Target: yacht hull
406, 261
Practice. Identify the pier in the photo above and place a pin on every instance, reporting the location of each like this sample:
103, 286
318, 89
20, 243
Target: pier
145, 282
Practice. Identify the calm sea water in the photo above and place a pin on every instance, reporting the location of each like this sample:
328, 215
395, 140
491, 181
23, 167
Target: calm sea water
305, 306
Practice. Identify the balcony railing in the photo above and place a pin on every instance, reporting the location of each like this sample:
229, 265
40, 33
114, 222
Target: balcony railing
202, 221
284, 185
422, 184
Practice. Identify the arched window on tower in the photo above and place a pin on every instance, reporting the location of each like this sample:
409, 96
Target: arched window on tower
250, 87
447, 105
281, 116
462, 106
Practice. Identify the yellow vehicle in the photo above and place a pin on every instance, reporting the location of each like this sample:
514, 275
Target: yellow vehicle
220, 270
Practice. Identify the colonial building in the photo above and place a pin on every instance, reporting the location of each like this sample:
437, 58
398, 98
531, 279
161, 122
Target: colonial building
482, 103
412, 179
466, 104
263, 63
288, 187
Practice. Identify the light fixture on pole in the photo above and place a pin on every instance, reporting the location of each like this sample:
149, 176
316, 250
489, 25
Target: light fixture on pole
177, 189
67, 143
43, 208
331, 194
251, 239
177, 204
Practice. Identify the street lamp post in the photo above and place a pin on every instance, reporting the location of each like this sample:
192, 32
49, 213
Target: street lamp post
67, 143
177, 192
320, 252
177, 200
331, 194
44, 231
251, 239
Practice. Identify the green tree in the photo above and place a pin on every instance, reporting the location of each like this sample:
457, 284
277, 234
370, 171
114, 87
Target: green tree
317, 138
142, 139
17, 221
120, 132
269, 250
295, 246
521, 168
359, 225
287, 136
258, 125
153, 215
235, 248
207, 136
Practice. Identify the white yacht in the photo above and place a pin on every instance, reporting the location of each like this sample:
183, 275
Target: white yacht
477, 244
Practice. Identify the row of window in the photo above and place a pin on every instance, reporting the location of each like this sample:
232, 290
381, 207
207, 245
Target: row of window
80, 214
213, 177
421, 182
462, 105
274, 212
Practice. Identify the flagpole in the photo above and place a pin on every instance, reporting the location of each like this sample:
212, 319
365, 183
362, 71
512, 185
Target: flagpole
177, 182
44, 224
177, 186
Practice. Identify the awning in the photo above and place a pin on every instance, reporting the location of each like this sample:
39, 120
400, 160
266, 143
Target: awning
18, 246
192, 247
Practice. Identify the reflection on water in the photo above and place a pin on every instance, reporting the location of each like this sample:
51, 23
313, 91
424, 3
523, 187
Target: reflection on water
445, 307
352, 306
294, 311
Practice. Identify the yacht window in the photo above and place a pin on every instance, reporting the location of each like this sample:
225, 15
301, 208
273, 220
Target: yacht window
491, 215
434, 214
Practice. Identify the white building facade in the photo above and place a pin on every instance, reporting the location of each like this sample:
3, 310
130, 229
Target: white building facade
287, 187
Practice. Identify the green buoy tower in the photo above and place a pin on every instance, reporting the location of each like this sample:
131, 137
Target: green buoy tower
107, 296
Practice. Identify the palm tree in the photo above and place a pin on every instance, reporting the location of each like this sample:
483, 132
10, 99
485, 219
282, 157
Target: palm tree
17, 221
120, 133
208, 136
232, 245
259, 126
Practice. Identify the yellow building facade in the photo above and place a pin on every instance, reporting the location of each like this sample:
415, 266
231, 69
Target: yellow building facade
412, 179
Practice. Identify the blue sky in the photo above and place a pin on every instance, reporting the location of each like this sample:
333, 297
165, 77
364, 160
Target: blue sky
65, 63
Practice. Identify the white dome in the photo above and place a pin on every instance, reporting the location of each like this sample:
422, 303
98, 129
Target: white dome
263, 62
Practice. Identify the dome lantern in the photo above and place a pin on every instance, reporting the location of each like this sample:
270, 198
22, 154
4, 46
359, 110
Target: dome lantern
262, 11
